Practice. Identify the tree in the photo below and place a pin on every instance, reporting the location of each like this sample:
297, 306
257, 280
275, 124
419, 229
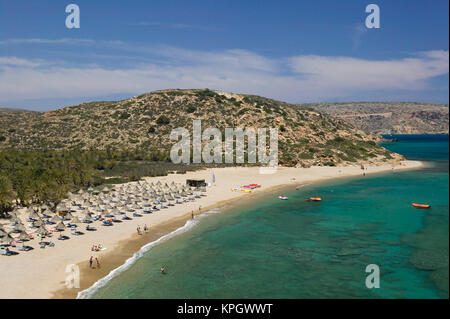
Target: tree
7, 194
22, 184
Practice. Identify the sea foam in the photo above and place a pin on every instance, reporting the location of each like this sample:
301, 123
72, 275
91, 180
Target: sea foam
89, 292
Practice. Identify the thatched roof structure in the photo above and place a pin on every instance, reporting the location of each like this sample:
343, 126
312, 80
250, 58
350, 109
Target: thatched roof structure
60, 226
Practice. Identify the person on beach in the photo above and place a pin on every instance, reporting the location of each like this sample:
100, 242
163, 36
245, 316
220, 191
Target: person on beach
145, 228
138, 229
91, 261
98, 263
192, 215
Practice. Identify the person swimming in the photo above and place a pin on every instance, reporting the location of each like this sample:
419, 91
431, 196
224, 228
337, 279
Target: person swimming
163, 269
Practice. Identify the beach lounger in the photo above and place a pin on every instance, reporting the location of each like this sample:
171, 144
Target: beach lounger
25, 248
7, 252
137, 215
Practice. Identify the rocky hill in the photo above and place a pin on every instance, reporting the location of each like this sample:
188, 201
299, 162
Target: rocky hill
306, 137
390, 118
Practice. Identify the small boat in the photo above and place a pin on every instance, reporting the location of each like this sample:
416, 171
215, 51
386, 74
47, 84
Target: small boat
242, 190
421, 205
251, 186
314, 199
283, 197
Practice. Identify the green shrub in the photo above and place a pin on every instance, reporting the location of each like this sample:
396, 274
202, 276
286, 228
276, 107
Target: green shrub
124, 116
306, 156
191, 109
243, 111
163, 120
267, 109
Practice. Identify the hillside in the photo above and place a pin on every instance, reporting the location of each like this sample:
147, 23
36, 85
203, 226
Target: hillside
306, 137
390, 118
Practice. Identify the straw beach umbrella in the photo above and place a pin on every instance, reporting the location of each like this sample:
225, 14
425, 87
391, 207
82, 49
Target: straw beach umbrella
60, 227
38, 223
15, 220
76, 220
6, 240
32, 214
42, 230
24, 236
20, 227
13, 213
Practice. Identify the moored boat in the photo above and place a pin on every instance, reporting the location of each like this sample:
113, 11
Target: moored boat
283, 197
314, 199
421, 205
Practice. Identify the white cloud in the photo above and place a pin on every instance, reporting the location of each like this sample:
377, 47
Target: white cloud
174, 26
352, 74
46, 41
298, 78
18, 62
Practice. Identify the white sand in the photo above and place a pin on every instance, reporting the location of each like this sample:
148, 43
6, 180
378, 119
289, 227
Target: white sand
40, 272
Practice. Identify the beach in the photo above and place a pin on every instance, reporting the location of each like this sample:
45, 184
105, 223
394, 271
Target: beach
41, 273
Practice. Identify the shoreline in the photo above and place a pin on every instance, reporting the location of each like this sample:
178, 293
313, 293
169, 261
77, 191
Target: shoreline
125, 246
130, 247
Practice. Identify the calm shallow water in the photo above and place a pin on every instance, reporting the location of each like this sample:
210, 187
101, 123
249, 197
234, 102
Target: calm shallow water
299, 249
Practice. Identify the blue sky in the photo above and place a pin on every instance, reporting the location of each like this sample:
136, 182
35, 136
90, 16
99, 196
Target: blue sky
295, 51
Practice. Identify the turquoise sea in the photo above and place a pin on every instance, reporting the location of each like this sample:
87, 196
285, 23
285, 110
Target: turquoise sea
300, 249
